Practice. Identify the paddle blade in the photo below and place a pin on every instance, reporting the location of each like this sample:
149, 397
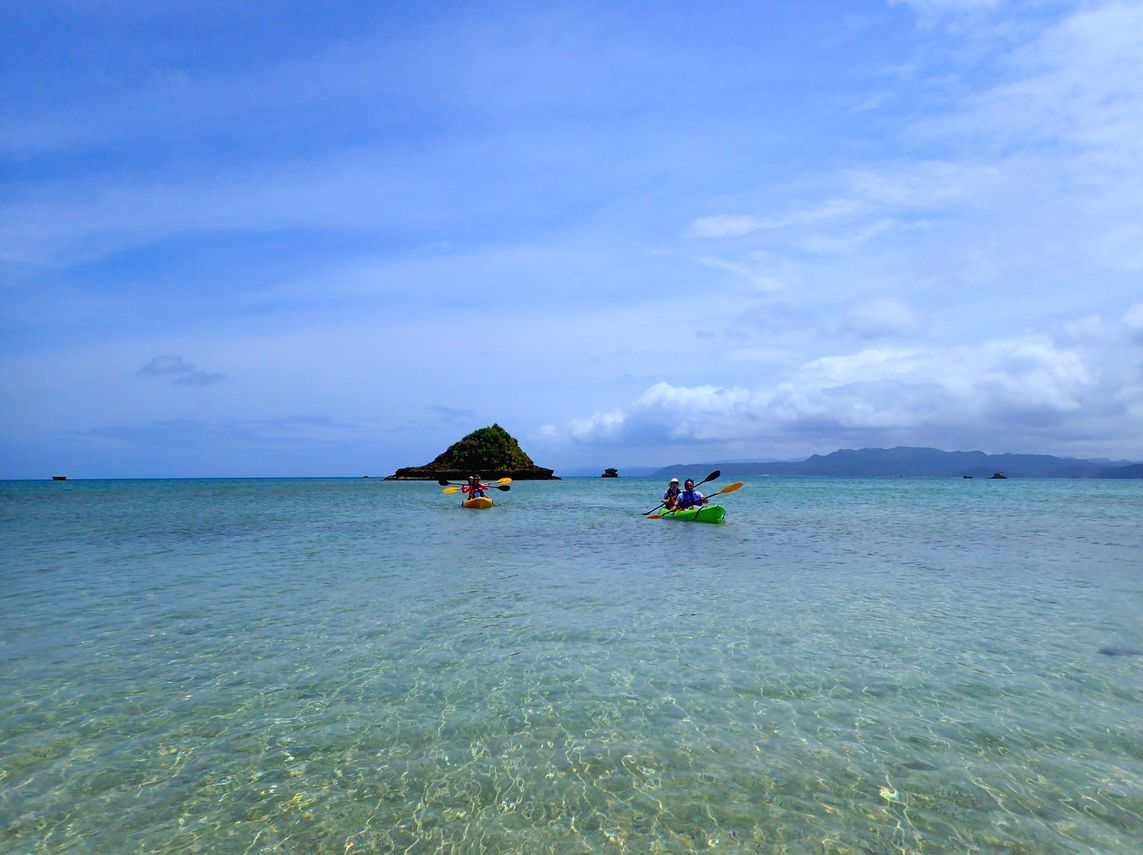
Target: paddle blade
443, 482
729, 488
451, 490
504, 488
654, 517
504, 481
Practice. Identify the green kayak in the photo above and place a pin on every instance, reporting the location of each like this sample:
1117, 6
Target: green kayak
707, 514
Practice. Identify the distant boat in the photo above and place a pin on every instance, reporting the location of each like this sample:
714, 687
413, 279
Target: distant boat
59, 477
966, 476
999, 476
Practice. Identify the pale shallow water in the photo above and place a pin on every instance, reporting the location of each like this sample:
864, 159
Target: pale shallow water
901, 665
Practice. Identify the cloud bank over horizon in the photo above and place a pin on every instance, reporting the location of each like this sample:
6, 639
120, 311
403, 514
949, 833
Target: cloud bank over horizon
1077, 390
630, 236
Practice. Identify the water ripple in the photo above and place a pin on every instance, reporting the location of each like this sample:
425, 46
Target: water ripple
291, 666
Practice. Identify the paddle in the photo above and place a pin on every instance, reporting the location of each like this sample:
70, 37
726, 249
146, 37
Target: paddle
445, 483
504, 488
711, 477
729, 488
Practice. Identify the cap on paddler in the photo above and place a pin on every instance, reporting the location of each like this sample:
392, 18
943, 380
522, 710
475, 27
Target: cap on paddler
674, 480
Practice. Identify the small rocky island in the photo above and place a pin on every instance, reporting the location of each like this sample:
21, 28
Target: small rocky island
610, 472
490, 452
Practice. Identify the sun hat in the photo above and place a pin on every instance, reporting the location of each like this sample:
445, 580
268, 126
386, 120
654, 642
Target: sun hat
674, 480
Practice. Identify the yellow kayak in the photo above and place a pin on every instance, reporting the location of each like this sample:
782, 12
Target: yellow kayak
478, 504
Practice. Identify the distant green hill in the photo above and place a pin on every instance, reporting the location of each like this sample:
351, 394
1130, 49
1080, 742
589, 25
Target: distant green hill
490, 452
909, 461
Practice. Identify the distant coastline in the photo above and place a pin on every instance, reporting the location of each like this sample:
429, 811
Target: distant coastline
905, 461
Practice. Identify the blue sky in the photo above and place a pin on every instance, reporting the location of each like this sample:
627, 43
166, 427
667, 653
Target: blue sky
329, 239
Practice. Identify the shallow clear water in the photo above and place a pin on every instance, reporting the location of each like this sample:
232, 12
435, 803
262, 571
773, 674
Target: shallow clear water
349, 666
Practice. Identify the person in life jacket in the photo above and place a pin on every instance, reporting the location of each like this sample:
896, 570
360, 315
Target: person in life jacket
475, 488
689, 497
671, 495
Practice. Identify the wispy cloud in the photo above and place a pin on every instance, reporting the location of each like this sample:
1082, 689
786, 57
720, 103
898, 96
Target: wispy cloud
164, 365
724, 226
184, 372
761, 281
731, 226
931, 12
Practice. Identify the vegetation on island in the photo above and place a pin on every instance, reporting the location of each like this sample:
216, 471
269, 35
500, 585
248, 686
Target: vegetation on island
490, 452
488, 447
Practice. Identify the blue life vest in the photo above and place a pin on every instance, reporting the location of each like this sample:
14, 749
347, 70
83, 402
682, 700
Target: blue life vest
689, 499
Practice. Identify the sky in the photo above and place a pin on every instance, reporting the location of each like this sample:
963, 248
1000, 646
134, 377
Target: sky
329, 239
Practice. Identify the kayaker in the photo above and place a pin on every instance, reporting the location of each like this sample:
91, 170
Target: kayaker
689, 497
671, 495
474, 487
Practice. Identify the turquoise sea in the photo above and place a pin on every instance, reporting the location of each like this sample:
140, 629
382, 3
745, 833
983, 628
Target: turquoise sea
354, 666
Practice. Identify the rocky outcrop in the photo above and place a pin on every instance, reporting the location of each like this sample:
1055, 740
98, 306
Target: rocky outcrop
610, 472
490, 452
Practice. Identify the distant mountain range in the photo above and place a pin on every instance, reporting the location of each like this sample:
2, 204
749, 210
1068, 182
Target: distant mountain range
905, 461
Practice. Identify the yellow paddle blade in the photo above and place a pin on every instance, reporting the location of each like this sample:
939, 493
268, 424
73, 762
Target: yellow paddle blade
504, 481
729, 488
451, 490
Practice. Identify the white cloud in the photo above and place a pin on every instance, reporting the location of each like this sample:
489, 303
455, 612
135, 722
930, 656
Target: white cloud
1078, 85
723, 226
915, 187
929, 12
1079, 387
676, 413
